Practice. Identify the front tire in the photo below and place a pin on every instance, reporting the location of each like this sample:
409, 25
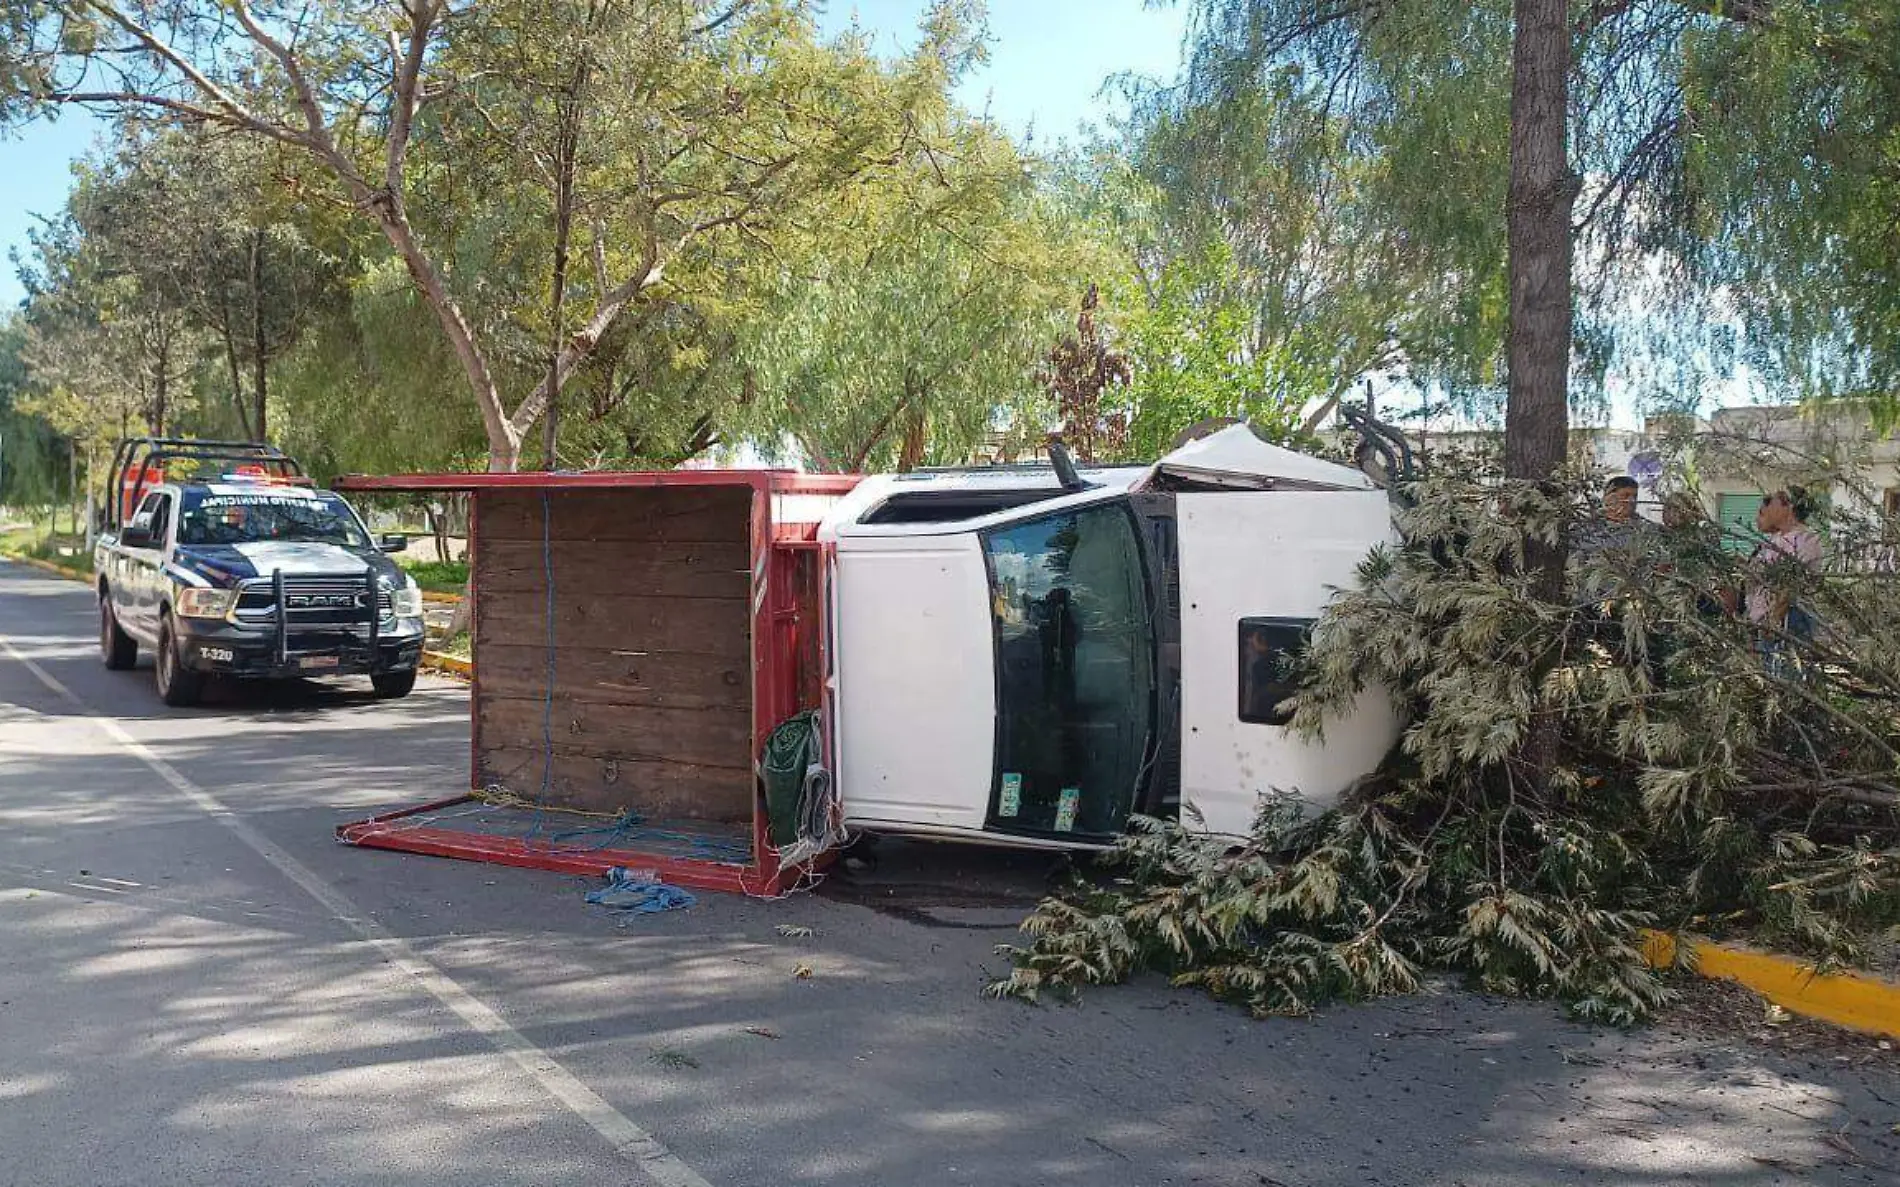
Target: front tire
392, 686
119, 650
178, 686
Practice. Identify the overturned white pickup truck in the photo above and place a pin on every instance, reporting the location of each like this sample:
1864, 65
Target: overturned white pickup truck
1029, 655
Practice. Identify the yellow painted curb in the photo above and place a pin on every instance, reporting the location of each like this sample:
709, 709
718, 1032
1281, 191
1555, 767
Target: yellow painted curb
49, 567
441, 599
453, 664
1861, 1001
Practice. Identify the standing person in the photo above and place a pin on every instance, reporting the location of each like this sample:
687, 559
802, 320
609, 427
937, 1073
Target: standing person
1617, 528
1786, 539
1618, 525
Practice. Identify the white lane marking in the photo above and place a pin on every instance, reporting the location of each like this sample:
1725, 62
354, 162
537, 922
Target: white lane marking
628, 1140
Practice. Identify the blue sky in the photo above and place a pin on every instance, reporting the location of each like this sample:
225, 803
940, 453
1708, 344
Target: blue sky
35, 172
1048, 62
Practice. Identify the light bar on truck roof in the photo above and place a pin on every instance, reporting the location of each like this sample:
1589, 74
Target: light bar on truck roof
258, 474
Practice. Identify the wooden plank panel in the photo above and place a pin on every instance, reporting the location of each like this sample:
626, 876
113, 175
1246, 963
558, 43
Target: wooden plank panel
718, 737
623, 623
653, 657
657, 790
668, 679
678, 514
661, 568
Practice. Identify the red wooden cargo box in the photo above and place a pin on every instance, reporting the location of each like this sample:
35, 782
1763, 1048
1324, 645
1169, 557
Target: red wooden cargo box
637, 635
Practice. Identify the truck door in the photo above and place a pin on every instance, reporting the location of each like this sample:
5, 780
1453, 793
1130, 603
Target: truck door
1076, 687
142, 578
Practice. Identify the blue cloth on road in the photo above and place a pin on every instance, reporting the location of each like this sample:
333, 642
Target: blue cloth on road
628, 891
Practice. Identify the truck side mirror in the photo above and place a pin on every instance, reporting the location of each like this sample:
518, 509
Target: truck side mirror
137, 535
392, 543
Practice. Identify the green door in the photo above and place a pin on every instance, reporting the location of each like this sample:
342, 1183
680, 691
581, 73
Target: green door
1736, 514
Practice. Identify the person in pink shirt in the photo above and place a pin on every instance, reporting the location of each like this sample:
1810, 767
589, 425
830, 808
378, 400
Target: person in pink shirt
1786, 539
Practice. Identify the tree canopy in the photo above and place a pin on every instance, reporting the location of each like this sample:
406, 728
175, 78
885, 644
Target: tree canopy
695, 226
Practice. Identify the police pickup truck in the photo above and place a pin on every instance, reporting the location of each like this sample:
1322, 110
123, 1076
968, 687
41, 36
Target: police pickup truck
224, 560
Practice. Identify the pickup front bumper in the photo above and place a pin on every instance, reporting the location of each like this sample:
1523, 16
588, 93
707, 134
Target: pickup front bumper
218, 647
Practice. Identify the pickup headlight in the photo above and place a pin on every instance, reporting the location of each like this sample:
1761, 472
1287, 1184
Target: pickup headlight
196, 602
406, 599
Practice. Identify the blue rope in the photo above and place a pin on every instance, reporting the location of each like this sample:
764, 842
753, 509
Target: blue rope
630, 826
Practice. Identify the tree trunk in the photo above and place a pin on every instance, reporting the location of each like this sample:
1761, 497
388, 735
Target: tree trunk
260, 355
916, 442
92, 511
566, 143
504, 443
237, 383
1541, 193
161, 391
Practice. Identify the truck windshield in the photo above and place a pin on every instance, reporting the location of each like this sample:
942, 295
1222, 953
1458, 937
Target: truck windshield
1075, 657
253, 516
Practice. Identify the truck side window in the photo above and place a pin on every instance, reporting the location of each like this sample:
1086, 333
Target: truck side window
154, 512
1269, 674
161, 519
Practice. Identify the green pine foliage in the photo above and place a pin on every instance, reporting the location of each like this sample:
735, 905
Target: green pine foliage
1698, 787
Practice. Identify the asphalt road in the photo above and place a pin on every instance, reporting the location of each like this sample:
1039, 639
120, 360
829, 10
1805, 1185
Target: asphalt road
198, 986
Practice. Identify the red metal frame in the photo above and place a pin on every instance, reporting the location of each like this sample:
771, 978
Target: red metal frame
772, 481
390, 831
474, 673
775, 630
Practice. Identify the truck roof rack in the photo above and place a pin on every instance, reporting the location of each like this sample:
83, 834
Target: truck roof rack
142, 455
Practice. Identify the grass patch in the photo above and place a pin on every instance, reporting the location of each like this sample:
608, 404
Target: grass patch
34, 543
438, 576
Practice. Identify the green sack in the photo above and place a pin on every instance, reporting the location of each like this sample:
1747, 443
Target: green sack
790, 751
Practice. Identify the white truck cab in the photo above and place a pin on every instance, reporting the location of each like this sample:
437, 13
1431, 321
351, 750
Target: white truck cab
1029, 657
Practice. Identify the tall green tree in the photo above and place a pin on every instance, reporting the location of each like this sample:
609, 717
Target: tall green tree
1266, 182
1196, 351
908, 330
1790, 192
33, 459
207, 229
1732, 168
720, 123
110, 346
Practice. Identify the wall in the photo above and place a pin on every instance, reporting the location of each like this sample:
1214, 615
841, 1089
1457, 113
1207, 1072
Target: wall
652, 676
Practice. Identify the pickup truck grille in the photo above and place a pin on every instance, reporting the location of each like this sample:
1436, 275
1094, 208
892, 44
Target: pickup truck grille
312, 602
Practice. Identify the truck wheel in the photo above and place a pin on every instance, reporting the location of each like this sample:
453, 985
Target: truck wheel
178, 686
393, 685
119, 650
